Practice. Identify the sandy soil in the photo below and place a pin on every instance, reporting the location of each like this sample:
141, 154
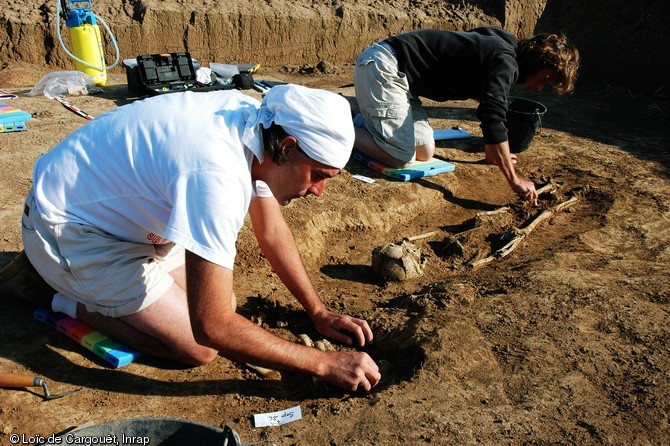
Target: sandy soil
564, 341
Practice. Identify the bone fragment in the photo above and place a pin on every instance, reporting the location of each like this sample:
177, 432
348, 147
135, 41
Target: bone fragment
422, 236
305, 340
265, 372
551, 186
518, 235
327, 345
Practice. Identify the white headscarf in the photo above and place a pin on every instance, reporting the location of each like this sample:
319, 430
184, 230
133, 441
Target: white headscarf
320, 120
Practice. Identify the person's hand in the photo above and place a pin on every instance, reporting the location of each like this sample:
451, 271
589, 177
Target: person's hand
526, 190
343, 328
351, 370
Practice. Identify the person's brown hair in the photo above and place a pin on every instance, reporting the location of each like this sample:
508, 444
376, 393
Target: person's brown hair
272, 138
552, 51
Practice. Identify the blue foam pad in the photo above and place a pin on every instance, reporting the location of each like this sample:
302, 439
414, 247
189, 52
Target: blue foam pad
416, 169
113, 352
12, 119
452, 133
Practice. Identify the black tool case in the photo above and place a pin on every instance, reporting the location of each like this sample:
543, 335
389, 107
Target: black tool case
154, 74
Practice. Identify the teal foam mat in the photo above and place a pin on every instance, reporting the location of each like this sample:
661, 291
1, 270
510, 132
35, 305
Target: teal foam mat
417, 169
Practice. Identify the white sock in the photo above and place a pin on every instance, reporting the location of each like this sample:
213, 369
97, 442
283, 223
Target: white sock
64, 304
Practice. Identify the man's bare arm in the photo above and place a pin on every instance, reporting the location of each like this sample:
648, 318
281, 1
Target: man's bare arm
217, 325
276, 240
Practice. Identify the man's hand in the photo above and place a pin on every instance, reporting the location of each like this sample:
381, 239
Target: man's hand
526, 190
499, 155
351, 371
336, 326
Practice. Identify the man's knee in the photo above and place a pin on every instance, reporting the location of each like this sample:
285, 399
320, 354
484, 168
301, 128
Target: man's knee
425, 152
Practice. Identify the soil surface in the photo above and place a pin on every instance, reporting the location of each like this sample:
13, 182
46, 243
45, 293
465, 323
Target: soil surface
563, 340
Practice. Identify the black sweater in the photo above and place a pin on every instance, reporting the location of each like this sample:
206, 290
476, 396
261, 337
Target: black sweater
454, 65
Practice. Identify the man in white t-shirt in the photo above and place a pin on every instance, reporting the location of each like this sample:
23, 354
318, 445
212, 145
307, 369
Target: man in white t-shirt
146, 202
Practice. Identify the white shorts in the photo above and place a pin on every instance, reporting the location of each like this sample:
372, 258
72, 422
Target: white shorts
392, 114
107, 275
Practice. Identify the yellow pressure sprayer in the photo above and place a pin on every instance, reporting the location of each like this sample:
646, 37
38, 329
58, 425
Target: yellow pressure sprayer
85, 38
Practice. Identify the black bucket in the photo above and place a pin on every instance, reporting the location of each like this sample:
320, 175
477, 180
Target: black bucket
524, 121
152, 431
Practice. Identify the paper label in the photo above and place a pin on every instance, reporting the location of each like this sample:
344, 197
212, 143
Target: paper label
277, 418
363, 178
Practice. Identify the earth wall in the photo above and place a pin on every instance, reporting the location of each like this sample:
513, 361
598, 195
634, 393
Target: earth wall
621, 42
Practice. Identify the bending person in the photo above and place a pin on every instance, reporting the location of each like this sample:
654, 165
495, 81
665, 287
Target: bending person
134, 217
482, 64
